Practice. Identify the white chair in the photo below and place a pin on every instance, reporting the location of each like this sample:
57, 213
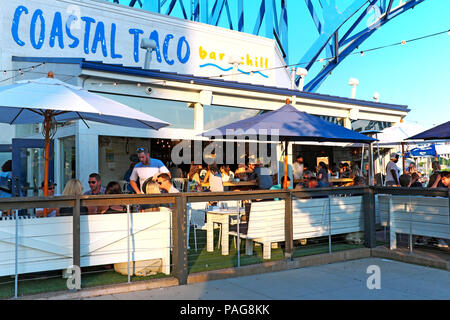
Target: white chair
196, 217
178, 183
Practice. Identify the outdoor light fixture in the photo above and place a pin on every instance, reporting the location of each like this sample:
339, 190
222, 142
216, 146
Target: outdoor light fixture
149, 45
376, 96
302, 73
354, 83
235, 61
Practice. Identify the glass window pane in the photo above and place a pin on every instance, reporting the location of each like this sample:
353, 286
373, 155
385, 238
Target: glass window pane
217, 116
68, 160
178, 114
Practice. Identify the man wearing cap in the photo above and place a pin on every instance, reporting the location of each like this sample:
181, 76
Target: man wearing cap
392, 171
146, 168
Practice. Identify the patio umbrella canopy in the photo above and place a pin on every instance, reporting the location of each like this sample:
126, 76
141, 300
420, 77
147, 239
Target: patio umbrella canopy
48, 100
439, 132
290, 124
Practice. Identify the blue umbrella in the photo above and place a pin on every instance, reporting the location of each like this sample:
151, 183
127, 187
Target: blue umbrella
289, 124
439, 132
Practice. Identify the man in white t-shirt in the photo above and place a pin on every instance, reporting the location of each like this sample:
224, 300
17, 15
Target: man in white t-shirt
146, 168
392, 171
297, 168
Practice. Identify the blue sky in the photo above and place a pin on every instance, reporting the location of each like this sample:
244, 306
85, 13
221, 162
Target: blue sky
416, 74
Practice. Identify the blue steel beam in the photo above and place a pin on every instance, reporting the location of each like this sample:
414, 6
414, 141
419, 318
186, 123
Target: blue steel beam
336, 35
356, 41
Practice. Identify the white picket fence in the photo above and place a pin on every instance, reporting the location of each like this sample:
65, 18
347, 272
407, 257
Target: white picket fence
46, 243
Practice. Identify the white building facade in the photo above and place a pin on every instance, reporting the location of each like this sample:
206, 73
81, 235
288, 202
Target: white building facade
190, 83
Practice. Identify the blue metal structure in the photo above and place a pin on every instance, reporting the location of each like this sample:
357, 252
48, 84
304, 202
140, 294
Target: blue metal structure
339, 33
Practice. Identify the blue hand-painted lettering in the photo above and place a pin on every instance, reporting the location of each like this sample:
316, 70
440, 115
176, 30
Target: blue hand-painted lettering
99, 37
114, 55
15, 24
136, 33
57, 31
180, 50
154, 36
76, 41
37, 36
166, 49
37, 14
87, 32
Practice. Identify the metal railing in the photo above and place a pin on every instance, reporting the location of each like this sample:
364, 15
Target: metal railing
179, 201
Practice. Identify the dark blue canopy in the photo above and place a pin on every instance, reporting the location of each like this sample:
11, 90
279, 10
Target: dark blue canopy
290, 124
440, 132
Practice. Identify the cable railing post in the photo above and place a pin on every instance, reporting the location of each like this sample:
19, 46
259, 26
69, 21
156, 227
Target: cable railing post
288, 227
128, 242
16, 257
76, 238
369, 217
180, 267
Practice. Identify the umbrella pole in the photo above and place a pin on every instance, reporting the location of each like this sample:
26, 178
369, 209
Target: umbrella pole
403, 157
286, 142
47, 123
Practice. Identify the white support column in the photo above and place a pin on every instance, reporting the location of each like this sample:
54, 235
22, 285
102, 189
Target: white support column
347, 123
87, 156
198, 117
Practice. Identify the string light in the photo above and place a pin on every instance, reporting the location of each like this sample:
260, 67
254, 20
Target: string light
321, 60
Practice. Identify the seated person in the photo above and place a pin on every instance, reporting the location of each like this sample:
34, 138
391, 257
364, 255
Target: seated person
313, 183
113, 188
415, 180
215, 180
51, 212
72, 188
405, 180
280, 185
241, 172
359, 181
262, 176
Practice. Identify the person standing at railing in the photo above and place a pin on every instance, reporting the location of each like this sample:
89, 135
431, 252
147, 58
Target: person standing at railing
146, 168
392, 171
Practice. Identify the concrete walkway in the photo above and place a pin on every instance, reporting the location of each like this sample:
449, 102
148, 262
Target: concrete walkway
342, 280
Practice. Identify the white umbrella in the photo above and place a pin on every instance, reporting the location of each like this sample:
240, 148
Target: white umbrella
48, 100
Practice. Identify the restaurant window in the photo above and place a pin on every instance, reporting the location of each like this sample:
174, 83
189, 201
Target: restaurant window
178, 114
363, 125
68, 159
335, 120
114, 156
217, 116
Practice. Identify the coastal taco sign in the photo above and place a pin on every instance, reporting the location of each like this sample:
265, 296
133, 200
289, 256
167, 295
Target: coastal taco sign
98, 30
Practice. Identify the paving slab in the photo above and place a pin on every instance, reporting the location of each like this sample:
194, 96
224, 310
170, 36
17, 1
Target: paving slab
338, 281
